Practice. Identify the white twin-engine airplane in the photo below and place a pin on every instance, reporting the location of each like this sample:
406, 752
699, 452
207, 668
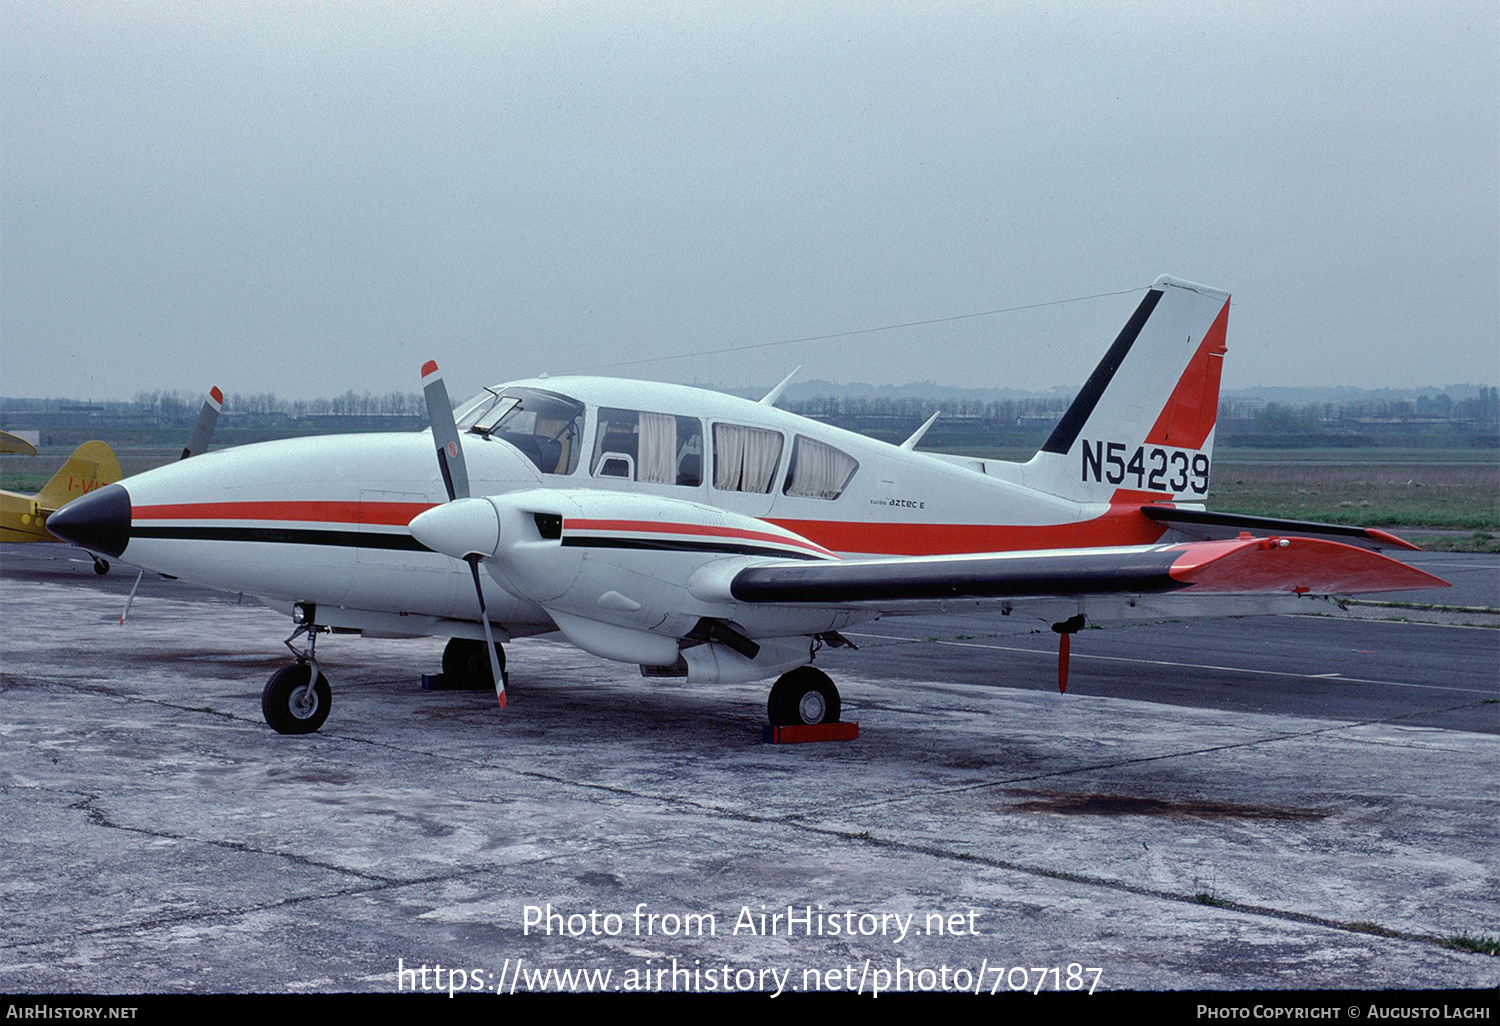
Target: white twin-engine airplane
713, 538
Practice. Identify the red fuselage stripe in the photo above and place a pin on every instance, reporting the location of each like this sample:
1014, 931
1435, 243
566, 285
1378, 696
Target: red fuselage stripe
1122, 525
314, 511
652, 527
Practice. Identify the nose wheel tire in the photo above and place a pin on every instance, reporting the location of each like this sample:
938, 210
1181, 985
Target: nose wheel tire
294, 703
803, 696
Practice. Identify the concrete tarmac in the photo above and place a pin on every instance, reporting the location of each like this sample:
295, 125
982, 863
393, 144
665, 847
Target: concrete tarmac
1284, 802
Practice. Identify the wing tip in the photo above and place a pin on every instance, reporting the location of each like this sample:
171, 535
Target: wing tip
1296, 565
1391, 539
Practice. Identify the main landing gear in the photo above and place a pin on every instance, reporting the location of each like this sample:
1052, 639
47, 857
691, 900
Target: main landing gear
804, 696
297, 698
466, 667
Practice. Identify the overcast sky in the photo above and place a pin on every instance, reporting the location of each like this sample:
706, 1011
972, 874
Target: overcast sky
309, 197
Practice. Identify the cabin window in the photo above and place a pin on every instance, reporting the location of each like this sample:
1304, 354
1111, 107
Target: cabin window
818, 471
656, 448
545, 426
745, 458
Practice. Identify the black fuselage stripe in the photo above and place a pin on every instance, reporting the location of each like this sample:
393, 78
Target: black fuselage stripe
1066, 432
285, 536
405, 542
667, 545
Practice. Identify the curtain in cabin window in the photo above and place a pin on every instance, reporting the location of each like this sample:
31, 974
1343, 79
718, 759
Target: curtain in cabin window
819, 471
657, 462
745, 458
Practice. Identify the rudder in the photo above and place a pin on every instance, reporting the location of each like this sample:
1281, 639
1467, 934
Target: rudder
91, 466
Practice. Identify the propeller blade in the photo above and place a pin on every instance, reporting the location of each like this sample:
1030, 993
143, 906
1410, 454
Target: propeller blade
489, 637
444, 432
1065, 631
126, 611
208, 419
450, 455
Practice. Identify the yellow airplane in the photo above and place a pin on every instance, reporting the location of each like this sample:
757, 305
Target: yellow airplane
23, 518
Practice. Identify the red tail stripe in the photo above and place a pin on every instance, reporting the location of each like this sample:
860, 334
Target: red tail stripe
1190, 413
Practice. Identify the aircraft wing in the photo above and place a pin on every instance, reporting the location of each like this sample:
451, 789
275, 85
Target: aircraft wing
1287, 566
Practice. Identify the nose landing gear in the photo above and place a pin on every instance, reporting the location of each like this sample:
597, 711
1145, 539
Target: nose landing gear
297, 698
294, 702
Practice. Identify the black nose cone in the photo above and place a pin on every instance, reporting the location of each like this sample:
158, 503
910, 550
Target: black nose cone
99, 521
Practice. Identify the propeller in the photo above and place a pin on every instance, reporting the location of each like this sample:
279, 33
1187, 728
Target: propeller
1065, 631
203, 432
208, 419
455, 474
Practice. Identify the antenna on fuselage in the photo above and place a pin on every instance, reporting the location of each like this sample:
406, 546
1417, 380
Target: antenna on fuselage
916, 436
775, 393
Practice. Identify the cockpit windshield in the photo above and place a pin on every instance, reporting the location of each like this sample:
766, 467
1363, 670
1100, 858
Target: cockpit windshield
545, 426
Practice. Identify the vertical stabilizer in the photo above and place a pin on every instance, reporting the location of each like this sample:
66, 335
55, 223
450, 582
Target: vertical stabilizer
1144, 421
92, 465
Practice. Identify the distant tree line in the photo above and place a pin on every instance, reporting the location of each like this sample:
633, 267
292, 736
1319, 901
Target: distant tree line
1243, 421
1475, 420
173, 405
867, 412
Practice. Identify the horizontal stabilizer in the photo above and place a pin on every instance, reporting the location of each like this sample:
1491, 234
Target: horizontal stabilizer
1209, 525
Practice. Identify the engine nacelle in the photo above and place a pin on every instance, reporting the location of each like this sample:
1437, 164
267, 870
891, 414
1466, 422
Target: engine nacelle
713, 663
612, 570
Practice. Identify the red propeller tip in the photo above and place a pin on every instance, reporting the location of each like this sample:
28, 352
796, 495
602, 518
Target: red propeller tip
501, 696
218, 396
429, 367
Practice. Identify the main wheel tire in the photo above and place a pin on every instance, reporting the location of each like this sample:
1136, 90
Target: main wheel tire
293, 703
803, 696
466, 665
101, 566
